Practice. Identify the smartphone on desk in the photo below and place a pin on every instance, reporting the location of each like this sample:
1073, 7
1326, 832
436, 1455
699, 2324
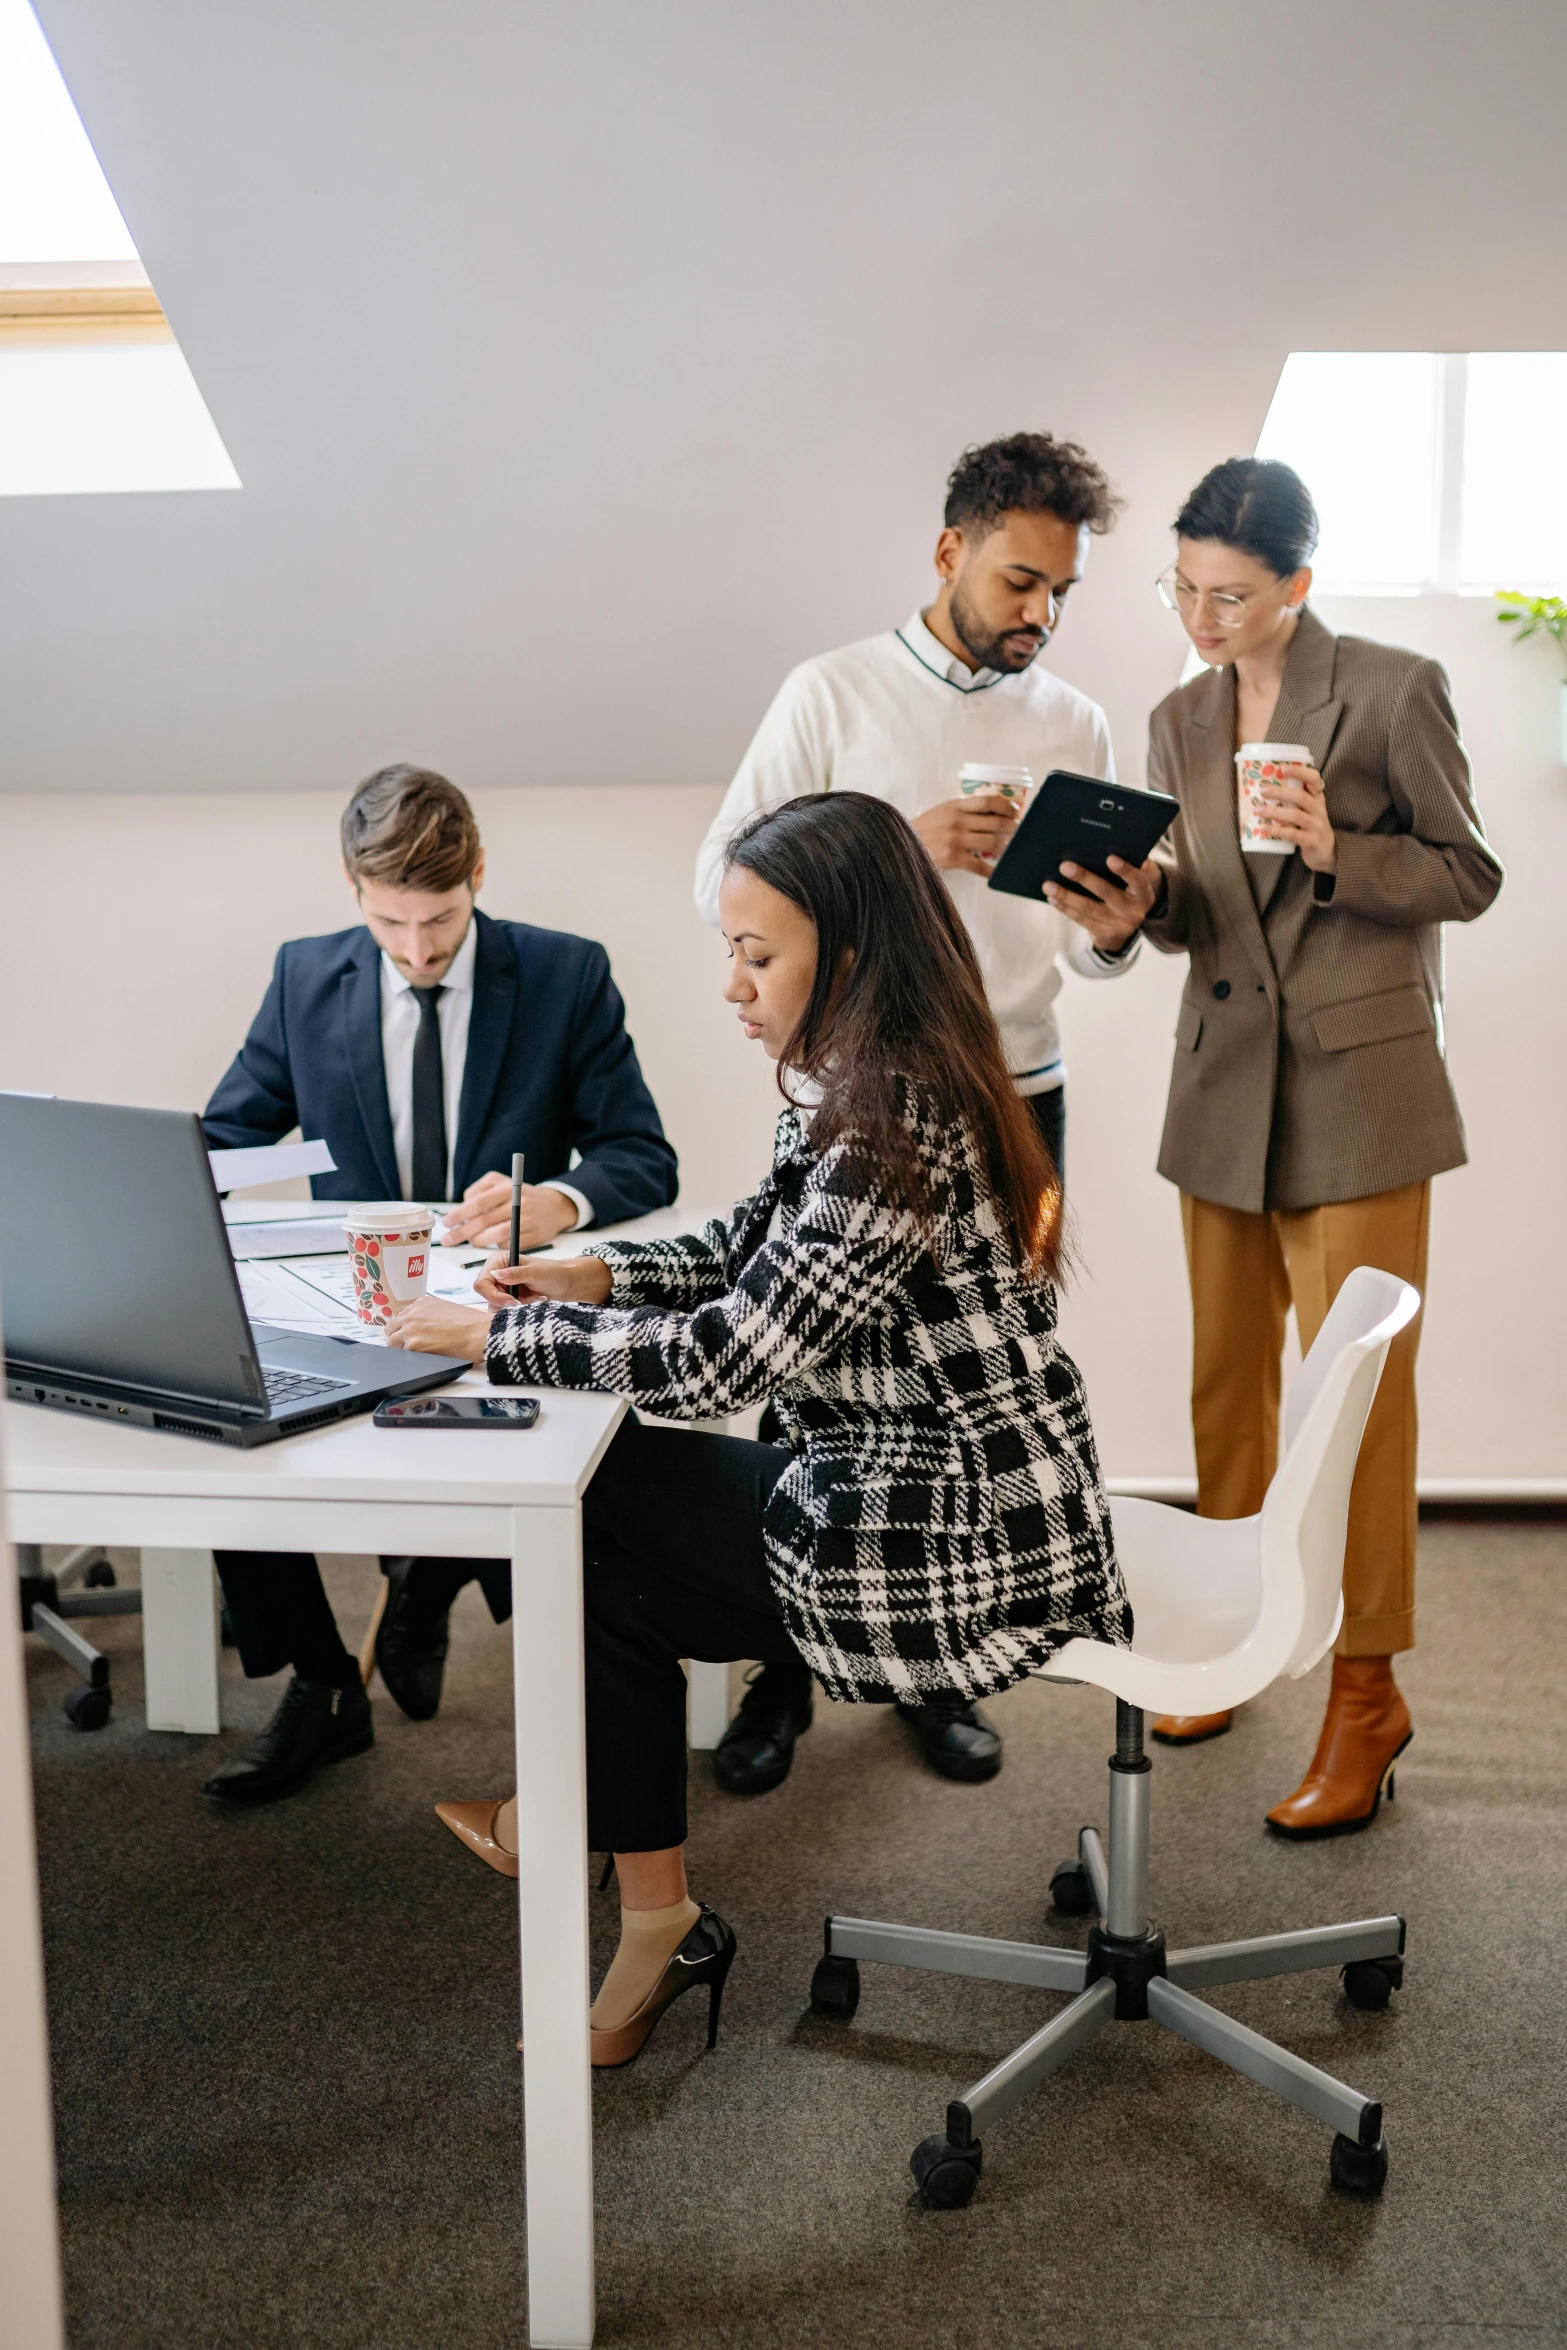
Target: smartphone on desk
458, 1411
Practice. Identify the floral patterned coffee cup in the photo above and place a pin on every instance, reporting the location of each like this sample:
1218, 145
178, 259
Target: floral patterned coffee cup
1257, 765
1012, 784
389, 1251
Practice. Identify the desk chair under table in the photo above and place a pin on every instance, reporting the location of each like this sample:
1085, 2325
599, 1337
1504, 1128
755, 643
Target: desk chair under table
49, 1599
1221, 1607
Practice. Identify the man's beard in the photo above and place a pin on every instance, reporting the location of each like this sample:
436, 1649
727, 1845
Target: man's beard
986, 652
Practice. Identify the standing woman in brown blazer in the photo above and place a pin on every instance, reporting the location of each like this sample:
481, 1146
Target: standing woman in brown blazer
1310, 1103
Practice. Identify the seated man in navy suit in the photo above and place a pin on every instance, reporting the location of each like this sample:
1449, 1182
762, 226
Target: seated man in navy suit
424, 1047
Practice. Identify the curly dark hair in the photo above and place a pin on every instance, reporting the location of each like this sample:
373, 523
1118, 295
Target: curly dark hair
1029, 473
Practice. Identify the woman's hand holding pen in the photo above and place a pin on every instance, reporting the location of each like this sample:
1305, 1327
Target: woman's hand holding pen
435, 1326
582, 1280
1297, 811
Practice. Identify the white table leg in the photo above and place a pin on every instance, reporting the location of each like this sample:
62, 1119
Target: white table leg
552, 1889
181, 1640
29, 2242
707, 1703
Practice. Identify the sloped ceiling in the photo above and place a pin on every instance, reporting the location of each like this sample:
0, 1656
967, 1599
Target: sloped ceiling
587, 365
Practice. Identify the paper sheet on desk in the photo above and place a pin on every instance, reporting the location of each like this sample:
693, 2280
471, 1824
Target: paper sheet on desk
315, 1236
453, 1272
318, 1293
277, 1162
292, 1298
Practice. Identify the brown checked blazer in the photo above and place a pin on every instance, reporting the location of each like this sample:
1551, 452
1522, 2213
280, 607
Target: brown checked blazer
1309, 1060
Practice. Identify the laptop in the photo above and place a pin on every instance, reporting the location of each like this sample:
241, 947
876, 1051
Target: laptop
120, 1298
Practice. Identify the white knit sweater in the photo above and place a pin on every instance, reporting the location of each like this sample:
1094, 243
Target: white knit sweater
897, 716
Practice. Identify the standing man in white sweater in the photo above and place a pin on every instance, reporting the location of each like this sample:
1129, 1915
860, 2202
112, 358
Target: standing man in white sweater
900, 715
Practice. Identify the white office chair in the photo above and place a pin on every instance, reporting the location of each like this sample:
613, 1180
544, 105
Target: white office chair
1221, 1607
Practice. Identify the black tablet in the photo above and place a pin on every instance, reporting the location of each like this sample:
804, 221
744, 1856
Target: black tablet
1087, 821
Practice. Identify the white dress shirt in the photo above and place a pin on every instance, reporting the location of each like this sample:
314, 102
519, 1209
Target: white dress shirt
399, 1028
898, 716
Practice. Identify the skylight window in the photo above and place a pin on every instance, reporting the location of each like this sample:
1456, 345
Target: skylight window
95, 393
1433, 472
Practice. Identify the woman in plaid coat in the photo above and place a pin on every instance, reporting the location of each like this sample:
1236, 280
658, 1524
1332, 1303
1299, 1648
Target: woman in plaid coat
934, 1520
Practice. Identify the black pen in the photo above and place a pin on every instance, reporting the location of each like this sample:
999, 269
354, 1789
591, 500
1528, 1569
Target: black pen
515, 1253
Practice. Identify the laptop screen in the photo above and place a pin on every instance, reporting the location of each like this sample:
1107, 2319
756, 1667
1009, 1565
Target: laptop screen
114, 1264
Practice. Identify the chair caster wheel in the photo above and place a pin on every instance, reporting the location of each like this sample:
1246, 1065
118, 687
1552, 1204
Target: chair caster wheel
1369, 1983
1358, 2170
1071, 1890
946, 2175
99, 1576
88, 1709
835, 1988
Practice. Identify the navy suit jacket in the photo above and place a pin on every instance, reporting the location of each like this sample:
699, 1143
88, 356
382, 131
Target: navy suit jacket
550, 1069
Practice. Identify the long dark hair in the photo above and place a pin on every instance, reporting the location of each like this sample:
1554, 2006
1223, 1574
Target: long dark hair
898, 995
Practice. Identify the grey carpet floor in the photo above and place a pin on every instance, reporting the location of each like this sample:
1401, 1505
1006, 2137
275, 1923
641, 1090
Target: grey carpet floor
287, 2086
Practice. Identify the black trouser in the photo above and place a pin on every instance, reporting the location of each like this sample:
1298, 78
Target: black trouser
673, 1567
1048, 1111
281, 1615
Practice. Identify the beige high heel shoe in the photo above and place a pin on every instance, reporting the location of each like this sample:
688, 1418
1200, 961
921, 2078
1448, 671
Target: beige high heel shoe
704, 1957
473, 1824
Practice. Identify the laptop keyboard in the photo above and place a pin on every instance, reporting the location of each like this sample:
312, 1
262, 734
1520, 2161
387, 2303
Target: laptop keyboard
292, 1386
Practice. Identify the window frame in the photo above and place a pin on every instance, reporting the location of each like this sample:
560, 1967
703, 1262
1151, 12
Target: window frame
1445, 576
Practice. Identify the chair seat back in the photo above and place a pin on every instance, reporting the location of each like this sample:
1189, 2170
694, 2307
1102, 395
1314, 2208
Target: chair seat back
1305, 1514
1264, 1595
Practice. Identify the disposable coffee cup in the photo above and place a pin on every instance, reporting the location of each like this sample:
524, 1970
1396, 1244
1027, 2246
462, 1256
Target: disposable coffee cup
1258, 766
389, 1250
1012, 783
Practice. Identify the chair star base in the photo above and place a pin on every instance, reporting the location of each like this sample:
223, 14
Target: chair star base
1126, 1975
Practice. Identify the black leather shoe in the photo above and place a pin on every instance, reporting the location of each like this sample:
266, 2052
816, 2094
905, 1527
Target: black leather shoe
411, 1639
954, 1737
315, 1724
756, 1750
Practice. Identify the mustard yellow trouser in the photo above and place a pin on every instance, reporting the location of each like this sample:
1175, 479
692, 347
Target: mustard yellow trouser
1246, 1270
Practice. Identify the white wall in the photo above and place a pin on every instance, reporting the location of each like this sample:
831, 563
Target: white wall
140, 931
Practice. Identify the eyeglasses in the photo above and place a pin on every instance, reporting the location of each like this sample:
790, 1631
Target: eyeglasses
1178, 595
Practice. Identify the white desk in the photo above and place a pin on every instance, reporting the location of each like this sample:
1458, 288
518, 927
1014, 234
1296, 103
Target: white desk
354, 1487
180, 1637
457, 1495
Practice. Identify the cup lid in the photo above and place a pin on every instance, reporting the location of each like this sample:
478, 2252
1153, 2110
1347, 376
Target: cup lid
976, 772
1285, 754
394, 1215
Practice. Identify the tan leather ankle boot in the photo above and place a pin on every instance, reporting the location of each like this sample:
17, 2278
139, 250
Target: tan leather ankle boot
1189, 1729
1365, 1730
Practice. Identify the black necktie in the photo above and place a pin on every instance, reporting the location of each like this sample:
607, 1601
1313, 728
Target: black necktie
429, 1151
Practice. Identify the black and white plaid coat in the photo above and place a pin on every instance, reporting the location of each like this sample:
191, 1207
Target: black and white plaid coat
942, 1526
